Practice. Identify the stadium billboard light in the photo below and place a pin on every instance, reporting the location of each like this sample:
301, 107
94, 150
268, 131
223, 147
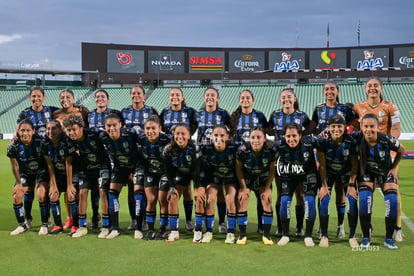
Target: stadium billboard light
206, 62
246, 61
125, 61
369, 59
281, 61
166, 62
404, 58
327, 59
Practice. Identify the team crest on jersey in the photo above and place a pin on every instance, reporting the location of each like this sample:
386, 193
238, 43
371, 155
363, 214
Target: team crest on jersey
382, 154
125, 145
306, 156
346, 152
189, 158
184, 115
265, 161
218, 118
246, 136
145, 115
381, 113
255, 120
61, 152
297, 121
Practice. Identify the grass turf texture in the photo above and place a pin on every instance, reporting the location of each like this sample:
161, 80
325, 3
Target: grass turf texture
30, 254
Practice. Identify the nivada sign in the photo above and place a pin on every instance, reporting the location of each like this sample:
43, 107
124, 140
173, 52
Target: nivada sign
166, 62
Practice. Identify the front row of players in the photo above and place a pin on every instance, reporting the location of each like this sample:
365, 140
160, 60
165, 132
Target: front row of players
162, 168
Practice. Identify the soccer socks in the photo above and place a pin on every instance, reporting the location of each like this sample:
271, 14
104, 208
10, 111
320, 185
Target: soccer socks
221, 210
105, 221
55, 206
28, 203
139, 207
199, 220
279, 223
300, 213
340, 210
285, 214
365, 205
310, 214
259, 209
188, 209
95, 197
242, 220
391, 212
163, 222
114, 208
324, 214
44, 212
209, 223
352, 215
73, 205
173, 220
231, 222
19, 213
267, 220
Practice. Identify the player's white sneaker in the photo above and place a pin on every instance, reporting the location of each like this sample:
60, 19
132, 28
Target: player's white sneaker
19, 230
283, 241
82, 231
207, 237
309, 242
138, 235
398, 235
324, 242
103, 233
353, 242
113, 235
230, 239
43, 230
198, 236
173, 236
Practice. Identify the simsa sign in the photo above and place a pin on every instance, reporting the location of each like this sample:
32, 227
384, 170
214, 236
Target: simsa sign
206, 62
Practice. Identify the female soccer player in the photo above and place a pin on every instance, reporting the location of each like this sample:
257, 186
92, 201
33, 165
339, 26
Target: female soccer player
208, 117
243, 120
177, 113
377, 168
96, 116
92, 165
182, 165
134, 117
58, 155
68, 108
338, 168
121, 146
39, 114
151, 175
295, 165
389, 123
289, 113
218, 175
28, 167
255, 171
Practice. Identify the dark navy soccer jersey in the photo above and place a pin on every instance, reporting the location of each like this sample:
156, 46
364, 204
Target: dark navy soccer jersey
39, 119
322, 112
378, 157
206, 121
153, 161
246, 123
135, 119
123, 152
338, 157
278, 120
30, 157
169, 119
90, 153
183, 162
298, 161
58, 154
96, 119
253, 165
219, 164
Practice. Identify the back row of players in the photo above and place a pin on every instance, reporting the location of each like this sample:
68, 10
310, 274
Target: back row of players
103, 150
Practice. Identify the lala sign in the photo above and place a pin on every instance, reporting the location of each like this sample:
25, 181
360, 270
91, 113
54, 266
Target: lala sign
286, 63
369, 62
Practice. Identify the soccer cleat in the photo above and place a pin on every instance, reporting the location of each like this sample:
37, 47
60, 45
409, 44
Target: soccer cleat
340, 233
82, 231
73, 230
230, 238
390, 244
299, 232
144, 226
189, 225
173, 236
309, 242
366, 242
138, 235
241, 241
68, 223
267, 241
283, 241
398, 235
353, 242
324, 242
133, 225
113, 234
222, 228
161, 236
150, 236
43, 230
103, 233
19, 230
28, 223
207, 237
56, 230
198, 236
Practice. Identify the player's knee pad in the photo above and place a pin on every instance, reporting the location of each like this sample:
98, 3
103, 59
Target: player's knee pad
285, 207
310, 210
324, 206
391, 203
365, 202
352, 205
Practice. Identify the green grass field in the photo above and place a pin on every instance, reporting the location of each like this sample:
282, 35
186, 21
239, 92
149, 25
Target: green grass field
30, 254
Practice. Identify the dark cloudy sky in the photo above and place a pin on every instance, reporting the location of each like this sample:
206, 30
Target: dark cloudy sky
50, 32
